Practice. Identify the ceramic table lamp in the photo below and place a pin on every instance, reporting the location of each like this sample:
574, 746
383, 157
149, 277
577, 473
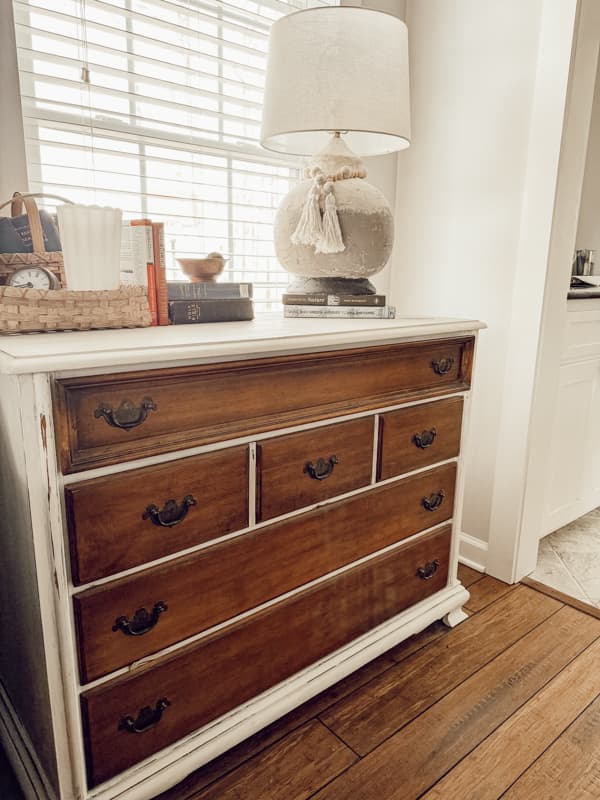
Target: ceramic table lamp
336, 89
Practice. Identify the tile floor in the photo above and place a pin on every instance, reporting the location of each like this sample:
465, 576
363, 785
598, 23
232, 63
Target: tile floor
569, 559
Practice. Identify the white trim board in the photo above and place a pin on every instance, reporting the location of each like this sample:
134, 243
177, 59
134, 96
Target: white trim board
472, 552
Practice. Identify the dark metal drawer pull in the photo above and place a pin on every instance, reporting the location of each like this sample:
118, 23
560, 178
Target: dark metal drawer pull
147, 718
171, 514
428, 570
142, 622
433, 501
127, 415
322, 469
424, 439
442, 366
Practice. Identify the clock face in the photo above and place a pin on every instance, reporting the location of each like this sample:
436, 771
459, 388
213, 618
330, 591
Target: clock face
32, 278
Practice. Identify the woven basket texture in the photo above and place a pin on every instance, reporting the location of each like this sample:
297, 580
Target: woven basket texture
38, 310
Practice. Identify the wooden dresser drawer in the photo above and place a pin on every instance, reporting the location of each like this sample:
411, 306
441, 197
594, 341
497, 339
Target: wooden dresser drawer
215, 584
107, 419
417, 436
303, 468
128, 719
129, 518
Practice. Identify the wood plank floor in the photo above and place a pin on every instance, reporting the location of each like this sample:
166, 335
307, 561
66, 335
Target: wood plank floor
505, 705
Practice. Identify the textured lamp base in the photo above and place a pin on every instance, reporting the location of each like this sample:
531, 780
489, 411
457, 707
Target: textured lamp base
331, 286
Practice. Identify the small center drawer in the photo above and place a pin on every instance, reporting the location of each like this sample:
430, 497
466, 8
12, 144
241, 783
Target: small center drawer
130, 718
418, 436
303, 468
171, 602
127, 519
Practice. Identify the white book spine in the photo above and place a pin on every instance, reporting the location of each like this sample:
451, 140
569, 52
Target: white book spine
345, 312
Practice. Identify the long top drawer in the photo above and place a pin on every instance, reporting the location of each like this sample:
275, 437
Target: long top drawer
109, 419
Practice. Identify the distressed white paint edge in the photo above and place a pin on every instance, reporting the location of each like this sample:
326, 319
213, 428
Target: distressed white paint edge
169, 347
459, 491
472, 552
175, 763
55, 603
21, 754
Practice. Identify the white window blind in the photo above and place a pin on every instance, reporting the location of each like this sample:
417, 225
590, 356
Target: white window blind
154, 106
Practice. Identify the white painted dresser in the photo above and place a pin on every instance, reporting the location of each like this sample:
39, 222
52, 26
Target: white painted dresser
203, 526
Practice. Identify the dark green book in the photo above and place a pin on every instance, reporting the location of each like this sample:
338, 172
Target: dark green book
205, 290
182, 312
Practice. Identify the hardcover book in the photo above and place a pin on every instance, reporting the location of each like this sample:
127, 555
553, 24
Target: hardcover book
237, 309
186, 290
340, 312
150, 270
324, 299
160, 272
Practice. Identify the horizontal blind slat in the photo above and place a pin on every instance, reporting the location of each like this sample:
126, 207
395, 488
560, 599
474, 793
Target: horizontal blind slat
168, 126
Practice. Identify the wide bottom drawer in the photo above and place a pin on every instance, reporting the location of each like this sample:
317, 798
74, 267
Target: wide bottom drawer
129, 719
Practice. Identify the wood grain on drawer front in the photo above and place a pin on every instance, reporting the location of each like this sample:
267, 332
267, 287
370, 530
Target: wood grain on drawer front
215, 584
415, 437
106, 419
209, 678
303, 468
107, 529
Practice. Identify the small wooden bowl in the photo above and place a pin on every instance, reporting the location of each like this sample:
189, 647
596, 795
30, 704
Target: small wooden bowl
200, 270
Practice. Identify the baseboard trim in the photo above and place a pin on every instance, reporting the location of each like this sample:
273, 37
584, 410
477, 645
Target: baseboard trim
472, 552
20, 753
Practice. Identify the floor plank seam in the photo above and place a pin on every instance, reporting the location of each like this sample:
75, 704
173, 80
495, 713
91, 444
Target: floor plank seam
339, 738
452, 688
516, 711
552, 743
511, 588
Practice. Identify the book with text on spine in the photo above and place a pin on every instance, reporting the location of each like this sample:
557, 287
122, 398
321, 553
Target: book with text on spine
339, 312
205, 290
160, 272
151, 271
238, 309
325, 299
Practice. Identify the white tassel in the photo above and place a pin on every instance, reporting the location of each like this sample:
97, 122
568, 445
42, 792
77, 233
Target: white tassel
309, 229
331, 241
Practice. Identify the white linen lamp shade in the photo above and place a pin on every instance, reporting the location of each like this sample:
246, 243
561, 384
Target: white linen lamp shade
338, 70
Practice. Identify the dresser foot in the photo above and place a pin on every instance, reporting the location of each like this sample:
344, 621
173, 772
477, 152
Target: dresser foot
454, 617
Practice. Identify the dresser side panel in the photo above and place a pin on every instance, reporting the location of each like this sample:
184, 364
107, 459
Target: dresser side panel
22, 659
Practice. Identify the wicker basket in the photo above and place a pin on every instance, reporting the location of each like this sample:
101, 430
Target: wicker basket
37, 310
9, 262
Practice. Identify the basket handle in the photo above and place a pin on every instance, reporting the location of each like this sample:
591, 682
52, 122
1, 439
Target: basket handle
35, 223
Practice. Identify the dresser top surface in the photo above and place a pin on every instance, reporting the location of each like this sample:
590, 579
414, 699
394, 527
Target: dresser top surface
267, 335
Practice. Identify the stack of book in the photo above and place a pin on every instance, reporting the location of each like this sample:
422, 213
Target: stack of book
209, 302
322, 304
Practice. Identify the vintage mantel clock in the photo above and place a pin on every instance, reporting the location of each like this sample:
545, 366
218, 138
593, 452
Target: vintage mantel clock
33, 278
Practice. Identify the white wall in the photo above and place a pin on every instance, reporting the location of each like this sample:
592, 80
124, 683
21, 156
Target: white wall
464, 194
13, 170
588, 231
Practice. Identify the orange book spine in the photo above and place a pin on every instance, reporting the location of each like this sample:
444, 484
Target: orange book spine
151, 270
160, 268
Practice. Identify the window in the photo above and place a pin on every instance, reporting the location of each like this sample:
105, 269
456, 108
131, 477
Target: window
154, 106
